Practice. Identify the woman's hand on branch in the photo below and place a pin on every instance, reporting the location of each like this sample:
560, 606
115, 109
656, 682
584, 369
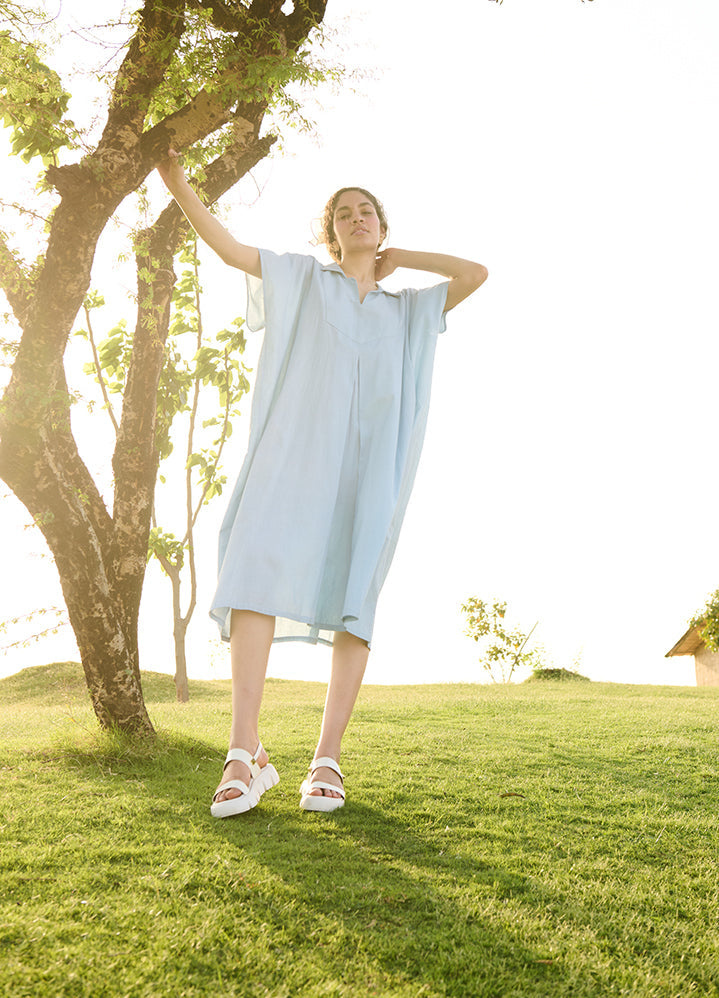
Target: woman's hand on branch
171, 170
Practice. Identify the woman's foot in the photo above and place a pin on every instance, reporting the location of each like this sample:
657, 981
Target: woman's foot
235, 795
236, 770
323, 774
323, 789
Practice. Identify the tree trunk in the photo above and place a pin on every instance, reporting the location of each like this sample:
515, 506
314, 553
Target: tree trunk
179, 631
181, 685
63, 500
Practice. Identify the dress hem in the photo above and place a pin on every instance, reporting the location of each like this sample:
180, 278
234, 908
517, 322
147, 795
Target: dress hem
222, 620
306, 640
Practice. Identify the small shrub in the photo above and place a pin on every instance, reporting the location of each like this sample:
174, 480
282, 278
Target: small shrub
557, 676
502, 648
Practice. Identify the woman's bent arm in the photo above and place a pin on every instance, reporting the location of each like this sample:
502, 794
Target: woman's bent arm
464, 275
207, 227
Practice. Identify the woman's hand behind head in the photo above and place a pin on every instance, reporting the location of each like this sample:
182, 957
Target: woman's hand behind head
386, 264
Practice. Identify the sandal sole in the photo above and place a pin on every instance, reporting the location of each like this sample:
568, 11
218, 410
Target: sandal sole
324, 804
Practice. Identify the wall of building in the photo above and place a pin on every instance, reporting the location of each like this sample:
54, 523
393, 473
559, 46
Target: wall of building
707, 666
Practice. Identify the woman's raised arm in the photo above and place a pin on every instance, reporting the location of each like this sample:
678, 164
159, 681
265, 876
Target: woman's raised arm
464, 275
207, 227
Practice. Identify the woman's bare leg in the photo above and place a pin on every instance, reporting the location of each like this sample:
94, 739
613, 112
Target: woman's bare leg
250, 640
349, 660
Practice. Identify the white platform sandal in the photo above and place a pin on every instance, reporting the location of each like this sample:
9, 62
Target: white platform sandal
318, 802
261, 779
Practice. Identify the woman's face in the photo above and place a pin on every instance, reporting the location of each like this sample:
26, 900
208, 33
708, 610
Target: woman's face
356, 224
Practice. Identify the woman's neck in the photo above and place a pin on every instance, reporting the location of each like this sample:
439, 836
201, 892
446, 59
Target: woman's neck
361, 266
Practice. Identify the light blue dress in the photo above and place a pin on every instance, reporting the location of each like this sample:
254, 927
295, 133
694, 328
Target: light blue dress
337, 425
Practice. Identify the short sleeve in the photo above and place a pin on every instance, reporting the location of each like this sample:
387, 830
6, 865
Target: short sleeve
426, 310
425, 319
273, 301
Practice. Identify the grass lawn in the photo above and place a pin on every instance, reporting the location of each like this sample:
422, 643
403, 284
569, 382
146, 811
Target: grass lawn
556, 839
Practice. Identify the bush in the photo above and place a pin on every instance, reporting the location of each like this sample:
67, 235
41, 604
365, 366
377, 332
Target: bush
557, 675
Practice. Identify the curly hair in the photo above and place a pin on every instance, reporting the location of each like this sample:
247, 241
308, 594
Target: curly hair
327, 226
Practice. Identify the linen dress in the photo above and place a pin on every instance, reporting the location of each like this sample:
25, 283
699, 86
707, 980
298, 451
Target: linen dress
337, 424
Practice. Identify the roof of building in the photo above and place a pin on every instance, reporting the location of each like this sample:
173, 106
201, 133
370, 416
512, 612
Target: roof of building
688, 644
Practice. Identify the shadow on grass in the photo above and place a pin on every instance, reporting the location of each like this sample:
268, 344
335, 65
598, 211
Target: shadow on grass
361, 880
422, 906
382, 883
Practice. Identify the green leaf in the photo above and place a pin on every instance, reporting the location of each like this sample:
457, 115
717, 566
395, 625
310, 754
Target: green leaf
33, 102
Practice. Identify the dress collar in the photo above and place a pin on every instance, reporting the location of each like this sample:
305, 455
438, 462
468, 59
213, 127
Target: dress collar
335, 267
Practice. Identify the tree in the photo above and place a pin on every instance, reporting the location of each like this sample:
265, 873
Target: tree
208, 364
215, 366
502, 647
707, 622
193, 73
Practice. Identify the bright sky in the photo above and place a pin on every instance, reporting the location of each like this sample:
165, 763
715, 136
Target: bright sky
569, 463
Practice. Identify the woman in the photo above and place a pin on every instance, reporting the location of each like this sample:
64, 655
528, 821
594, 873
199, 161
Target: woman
338, 418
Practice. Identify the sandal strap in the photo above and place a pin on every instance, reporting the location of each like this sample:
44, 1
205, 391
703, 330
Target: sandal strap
318, 785
242, 755
329, 763
235, 784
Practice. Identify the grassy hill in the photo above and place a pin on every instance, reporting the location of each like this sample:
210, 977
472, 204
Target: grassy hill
546, 839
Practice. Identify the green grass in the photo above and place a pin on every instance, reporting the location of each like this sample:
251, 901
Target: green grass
544, 839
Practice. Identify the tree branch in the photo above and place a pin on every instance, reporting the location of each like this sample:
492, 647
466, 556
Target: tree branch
114, 169
237, 160
307, 14
189, 538
98, 369
218, 457
231, 17
161, 25
204, 114
14, 282
266, 10
226, 16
